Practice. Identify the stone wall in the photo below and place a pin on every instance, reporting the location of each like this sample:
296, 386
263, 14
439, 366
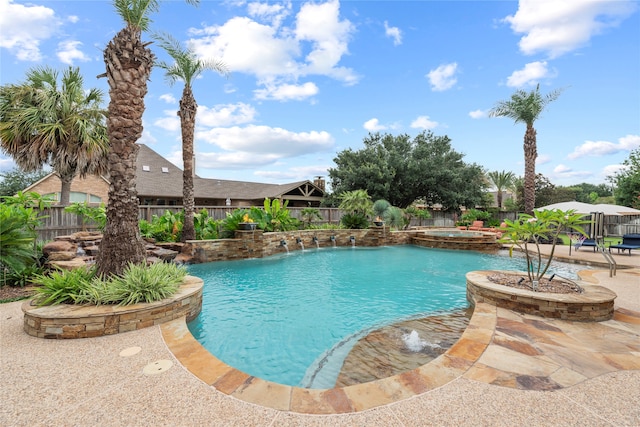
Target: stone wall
65, 321
594, 304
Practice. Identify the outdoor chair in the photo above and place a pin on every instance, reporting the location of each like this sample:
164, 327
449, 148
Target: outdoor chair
629, 241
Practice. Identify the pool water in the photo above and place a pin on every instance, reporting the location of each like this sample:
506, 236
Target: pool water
293, 318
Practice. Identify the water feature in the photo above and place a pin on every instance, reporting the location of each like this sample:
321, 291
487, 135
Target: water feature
299, 242
414, 343
352, 240
283, 243
333, 240
270, 318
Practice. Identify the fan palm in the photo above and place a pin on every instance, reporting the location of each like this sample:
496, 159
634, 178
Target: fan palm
501, 180
43, 122
526, 107
128, 62
186, 67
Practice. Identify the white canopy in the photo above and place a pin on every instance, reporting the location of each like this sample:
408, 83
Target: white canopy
586, 208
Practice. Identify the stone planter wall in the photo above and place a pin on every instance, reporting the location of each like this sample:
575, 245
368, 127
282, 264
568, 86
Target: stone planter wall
595, 304
65, 321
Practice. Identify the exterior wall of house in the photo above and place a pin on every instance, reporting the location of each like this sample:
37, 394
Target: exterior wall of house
92, 185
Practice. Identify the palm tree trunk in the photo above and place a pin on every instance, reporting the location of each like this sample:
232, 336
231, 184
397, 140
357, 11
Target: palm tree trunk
530, 155
187, 113
128, 64
65, 189
499, 198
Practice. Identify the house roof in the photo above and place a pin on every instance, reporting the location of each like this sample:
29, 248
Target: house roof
158, 177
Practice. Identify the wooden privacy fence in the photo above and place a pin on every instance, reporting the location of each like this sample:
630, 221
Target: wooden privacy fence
57, 222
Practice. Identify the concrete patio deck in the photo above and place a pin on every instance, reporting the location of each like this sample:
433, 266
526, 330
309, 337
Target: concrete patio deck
534, 371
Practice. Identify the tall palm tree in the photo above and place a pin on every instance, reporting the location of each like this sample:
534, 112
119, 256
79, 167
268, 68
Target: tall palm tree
526, 107
128, 62
186, 67
501, 180
62, 125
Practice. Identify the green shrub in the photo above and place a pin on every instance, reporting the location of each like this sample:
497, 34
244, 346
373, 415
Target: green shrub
165, 228
309, 215
95, 214
206, 227
274, 217
354, 221
138, 283
230, 223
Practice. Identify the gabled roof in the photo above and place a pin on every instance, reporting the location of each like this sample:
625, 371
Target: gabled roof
158, 177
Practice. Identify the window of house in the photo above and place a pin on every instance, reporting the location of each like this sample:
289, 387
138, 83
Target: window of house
165, 170
146, 168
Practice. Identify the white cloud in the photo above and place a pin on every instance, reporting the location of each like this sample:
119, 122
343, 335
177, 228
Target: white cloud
603, 148
373, 125
543, 159
287, 92
225, 115
477, 114
531, 74
24, 27
443, 77
423, 122
558, 27
171, 121
168, 98
267, 141
68, 51
611, 170
294, 173
394, 33
272, 13
278, 56
563, 171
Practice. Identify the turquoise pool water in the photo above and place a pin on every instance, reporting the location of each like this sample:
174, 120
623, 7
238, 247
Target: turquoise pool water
292, 318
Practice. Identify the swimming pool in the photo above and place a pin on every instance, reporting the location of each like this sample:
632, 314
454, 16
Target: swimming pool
292, 318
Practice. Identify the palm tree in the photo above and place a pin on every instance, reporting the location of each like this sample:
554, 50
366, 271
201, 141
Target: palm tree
187, 67
501, 180
43, 122
128, 62
526, 107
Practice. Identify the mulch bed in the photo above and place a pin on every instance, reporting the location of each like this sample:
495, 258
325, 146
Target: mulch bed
14, 293
555, 286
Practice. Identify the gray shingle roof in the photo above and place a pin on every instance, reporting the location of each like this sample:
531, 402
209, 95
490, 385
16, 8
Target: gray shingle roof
156, 183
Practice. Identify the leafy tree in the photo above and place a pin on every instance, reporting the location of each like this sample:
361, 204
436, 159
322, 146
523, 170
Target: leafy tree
501, 180
128, 62
627, 181
43, 122
187, 67
526, 107
17, 180
401, 170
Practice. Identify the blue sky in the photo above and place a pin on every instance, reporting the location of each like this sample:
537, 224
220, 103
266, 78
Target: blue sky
310, 79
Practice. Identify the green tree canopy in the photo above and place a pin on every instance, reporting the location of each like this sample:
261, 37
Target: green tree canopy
401, 170
627, 181
17, 180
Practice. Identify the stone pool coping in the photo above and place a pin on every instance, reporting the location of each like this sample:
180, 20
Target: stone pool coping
594, 304
233, 382
67, 321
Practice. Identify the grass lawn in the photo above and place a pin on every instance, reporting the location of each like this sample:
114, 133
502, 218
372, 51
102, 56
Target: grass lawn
607, 240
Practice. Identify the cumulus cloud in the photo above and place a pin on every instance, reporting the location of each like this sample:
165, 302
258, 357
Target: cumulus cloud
443, 77
394, 33
278, 56
68, 51
168, 98
170, 121
423, 122
563, 171
226, 115
25, 27
373, 125
294, 173
530, 75
604, 148
285, 92
477, 114
543, 159
558, 27
611, 170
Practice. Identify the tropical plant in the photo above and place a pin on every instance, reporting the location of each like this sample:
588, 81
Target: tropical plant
164, 228
526, 107
137, 284
17, 237
206, 227
354, 220
501, 181
128, 62
357, 206
309, 215
95, 214
474, 215
395, 218
380, 208
274, 216
187, 67
545, 225
413, 212
44, 122
28, 200
232, 222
